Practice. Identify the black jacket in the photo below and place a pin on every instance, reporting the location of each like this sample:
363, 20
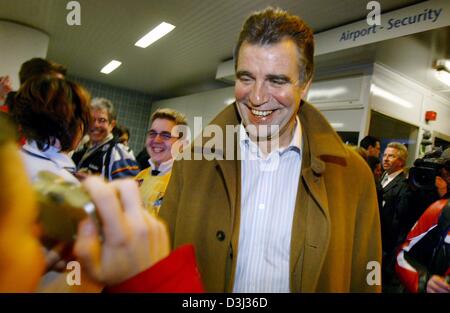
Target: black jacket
396, 216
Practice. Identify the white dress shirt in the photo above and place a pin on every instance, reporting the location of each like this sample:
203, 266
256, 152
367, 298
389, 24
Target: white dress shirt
269, 190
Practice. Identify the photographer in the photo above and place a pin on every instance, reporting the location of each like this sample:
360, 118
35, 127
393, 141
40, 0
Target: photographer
429, 179
423, 262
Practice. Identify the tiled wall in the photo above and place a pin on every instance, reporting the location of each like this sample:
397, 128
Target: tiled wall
133, 108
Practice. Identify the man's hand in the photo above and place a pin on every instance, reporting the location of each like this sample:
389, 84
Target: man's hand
437, 284
133, 240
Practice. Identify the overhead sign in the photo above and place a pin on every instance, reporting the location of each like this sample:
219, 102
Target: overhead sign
410, 20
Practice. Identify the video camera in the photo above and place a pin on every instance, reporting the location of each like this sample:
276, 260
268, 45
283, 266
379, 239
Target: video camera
423, 174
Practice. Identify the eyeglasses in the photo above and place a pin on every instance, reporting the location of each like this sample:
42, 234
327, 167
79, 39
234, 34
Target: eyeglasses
165, 135
100, 120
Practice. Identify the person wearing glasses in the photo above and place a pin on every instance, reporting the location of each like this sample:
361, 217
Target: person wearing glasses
159, 143
103, 154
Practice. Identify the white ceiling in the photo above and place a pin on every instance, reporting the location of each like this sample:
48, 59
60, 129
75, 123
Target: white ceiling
184, 61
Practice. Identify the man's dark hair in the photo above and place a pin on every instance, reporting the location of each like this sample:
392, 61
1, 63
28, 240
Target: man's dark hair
39, 66
271, 26
369, 141
120, 130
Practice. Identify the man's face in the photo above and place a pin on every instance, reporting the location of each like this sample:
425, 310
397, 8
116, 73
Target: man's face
101, 126
159, 140
374, 151
391, 160
267, 89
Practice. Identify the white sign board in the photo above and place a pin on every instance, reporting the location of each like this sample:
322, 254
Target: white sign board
410, 20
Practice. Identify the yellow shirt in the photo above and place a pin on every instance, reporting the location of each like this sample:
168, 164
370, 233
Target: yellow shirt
152, 189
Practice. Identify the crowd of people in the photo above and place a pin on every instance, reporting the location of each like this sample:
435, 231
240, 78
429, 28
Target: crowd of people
409, 210
306, 216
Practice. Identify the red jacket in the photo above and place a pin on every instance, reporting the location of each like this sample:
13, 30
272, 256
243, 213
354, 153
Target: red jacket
177, 273
423, 253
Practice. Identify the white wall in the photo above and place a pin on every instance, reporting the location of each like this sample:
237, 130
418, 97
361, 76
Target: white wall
18, 44
205, 105
415, 100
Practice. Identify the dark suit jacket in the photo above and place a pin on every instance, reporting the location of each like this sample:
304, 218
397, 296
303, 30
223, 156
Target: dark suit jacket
395, 213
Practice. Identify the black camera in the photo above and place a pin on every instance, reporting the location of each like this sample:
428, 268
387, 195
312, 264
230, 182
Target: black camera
423, 174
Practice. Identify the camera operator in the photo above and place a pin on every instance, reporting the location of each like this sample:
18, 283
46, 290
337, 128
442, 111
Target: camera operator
423, 262
429, 179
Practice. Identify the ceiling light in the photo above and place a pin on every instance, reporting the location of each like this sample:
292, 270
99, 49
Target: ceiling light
337, 125
443, 64
442, 71
111, 66
155, 34
443, 76
380, 92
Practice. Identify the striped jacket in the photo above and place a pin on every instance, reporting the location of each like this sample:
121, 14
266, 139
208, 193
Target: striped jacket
110, 159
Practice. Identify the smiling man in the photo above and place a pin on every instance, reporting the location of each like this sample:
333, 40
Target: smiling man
103, 154
153, 181
296, 216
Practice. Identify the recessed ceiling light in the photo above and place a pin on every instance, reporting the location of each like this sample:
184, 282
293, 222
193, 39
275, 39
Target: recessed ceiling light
111, 66
443, 76
155, 34
443, 64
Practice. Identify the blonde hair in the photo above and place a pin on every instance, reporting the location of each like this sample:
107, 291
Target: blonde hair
171, 115
401, 148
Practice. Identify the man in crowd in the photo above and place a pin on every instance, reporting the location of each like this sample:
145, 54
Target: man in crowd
153, 181
372, 145
397, 216
103, 154
300, 217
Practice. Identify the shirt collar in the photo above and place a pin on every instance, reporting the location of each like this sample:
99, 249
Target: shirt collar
61, 159
295, 144
163, 167
395, 174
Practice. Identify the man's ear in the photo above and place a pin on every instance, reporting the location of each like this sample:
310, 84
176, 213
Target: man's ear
113, 124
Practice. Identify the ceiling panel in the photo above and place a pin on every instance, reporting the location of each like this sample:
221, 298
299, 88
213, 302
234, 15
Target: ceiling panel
184, 60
